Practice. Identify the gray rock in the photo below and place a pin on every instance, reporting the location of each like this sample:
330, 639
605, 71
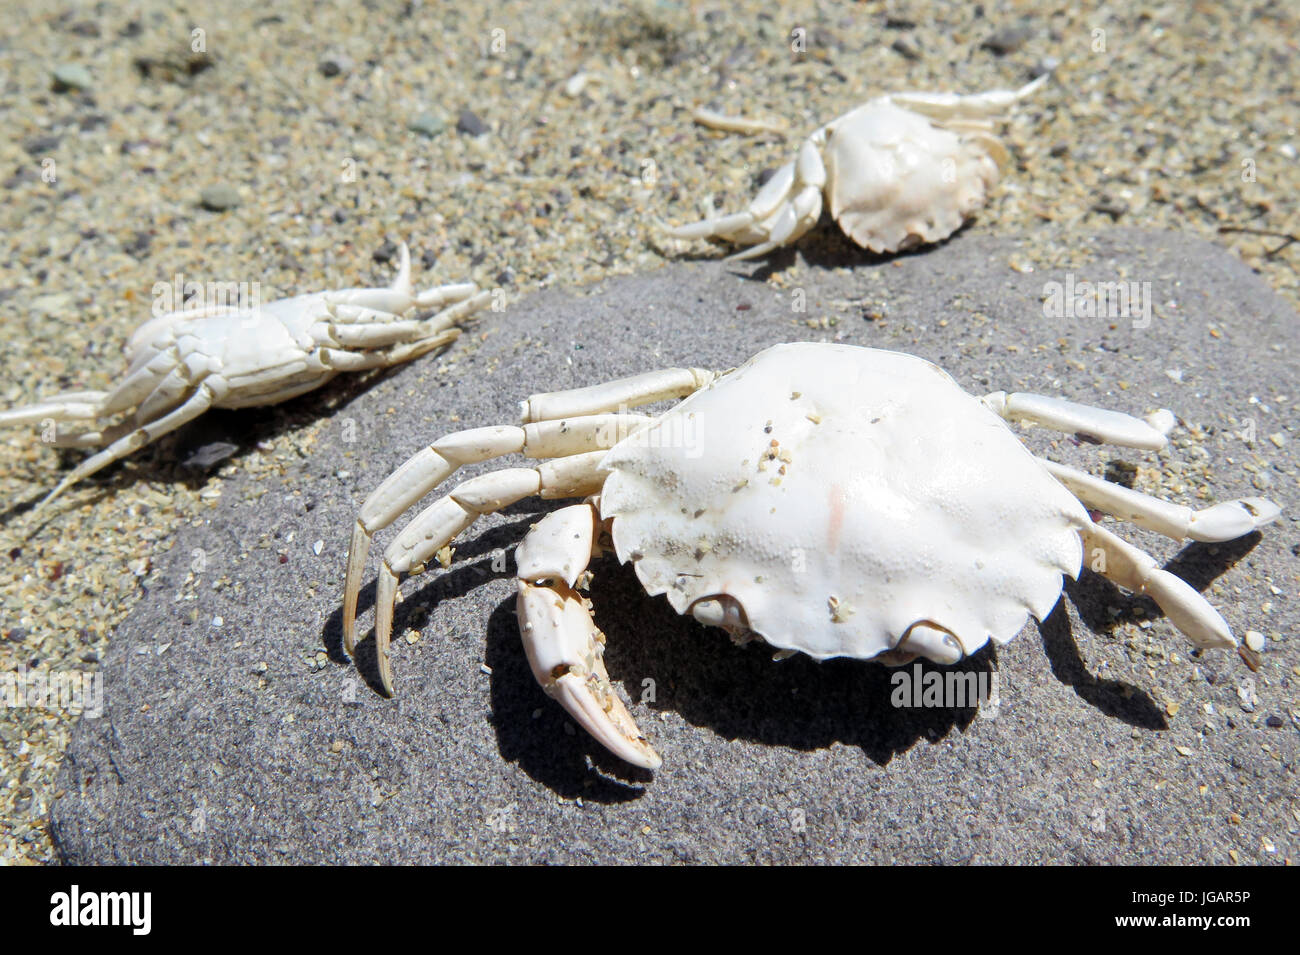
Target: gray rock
219, 197
1009, 39
72, 76
470, 124
237, 745
427, 124
335, 64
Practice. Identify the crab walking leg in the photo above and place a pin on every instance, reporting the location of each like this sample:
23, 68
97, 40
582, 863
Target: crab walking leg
1119, 561
430, 467
735, 124
943, 106
198, 403
565, 650
71, 405
631, 392
334, 359
437, 525
353, 304
357, 327
1103, 426
1220, 522
142, 380
787, 207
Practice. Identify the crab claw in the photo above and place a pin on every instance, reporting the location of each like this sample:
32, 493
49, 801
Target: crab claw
565, 652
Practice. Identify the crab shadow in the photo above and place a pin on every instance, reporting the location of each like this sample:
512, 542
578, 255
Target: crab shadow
823, 247
170, 460
670, 664
1102, 606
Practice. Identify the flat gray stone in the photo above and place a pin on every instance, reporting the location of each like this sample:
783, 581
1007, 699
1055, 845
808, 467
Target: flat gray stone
222, 744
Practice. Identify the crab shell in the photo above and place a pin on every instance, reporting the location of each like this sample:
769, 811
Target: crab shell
830, 498
895, 179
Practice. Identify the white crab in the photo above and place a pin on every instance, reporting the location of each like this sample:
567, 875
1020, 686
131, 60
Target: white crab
830, 499
182, 363
898, 171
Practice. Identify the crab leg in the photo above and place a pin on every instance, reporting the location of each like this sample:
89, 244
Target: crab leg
1103, 426
1221, 522
199, 402
1136, 570
437, 525
431, 466
74, 405
565, 650
631, 392
787, 206
334, 359
350, 305
942, 106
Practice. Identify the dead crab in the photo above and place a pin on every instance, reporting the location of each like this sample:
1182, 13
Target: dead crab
225, 355
899, 171
828, 499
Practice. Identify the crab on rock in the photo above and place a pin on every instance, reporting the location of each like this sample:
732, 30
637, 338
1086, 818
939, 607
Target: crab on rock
898, 171
829, 499
222, 355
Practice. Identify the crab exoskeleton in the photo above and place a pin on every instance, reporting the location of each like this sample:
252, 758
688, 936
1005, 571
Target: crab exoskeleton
898, 171
230, 355
829, 499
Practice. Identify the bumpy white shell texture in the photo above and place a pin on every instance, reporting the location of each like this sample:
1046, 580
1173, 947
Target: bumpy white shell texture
903, 499
895, 179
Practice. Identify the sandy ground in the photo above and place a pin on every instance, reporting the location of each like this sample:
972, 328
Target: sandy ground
1180, 118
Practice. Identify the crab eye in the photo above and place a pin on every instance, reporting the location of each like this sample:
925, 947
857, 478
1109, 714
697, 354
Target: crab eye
934, 642
720, 610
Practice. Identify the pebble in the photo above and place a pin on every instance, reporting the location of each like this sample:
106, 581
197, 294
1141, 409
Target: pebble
72, 76
905, 48
427, 124
219, 197
1255, 640
335, 65
203, 458
1009, 39
470, 124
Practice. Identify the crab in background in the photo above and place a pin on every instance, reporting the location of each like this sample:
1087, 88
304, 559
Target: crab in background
899, 171
827, 499
184, 362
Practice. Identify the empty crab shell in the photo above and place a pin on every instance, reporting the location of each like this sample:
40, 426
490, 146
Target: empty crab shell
829, 499
898, 171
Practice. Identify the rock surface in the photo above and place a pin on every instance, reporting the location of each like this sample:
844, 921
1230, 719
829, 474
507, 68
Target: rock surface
236, 731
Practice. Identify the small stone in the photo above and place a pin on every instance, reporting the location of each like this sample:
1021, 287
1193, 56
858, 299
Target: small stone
1255, 640
905, 48
208, 455
138, 246
384, 253
470, 124
72, 76
427, 124
1008, 39
218, 198
41, 145
317, 547
335, 65
1274, 722
1247, 698
1047, 64
576, 83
